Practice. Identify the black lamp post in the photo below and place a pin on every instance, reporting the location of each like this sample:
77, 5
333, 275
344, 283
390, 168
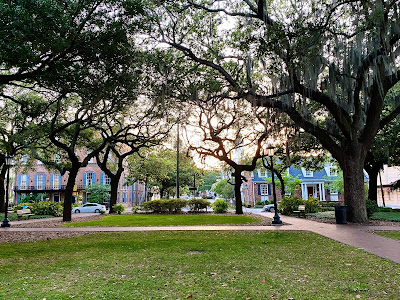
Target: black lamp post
9, 162
270, 149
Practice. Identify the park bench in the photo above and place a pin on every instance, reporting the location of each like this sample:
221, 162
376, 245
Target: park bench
301, 210
24, 212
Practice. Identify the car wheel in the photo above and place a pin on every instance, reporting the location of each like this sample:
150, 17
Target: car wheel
77, 211
97, 211
272, 209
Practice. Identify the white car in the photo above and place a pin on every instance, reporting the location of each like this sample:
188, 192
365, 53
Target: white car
269, 207
89, 208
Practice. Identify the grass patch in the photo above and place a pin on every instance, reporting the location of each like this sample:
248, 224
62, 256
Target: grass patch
389, 234
323, 215
386, 216
13, 216
199, 265
166, 220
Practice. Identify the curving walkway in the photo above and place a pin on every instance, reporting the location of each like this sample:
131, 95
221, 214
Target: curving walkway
354, 235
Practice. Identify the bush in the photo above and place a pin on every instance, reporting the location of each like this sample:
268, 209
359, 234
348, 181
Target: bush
198, 204
385, 209
246, 205
175, 205
47, 208
312, 205
118, 208
220, 206
372, 207
289, 203
135, 209
162, 205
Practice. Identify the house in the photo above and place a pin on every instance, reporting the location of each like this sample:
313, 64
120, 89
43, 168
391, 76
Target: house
314, 184
391, 197
38, 180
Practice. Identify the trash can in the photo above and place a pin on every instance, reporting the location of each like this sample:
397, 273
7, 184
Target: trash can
341, 214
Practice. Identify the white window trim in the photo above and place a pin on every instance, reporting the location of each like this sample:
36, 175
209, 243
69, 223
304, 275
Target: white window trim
307, 173
264, 189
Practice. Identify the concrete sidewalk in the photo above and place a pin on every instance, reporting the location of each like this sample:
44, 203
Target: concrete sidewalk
354, 235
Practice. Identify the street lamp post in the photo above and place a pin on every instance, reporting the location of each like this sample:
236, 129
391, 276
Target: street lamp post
270, 153
9, 162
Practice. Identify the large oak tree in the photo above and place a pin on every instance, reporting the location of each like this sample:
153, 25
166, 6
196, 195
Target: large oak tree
327, 64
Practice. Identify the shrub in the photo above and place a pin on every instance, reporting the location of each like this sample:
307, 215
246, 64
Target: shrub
198, 204
385, 209
175, 205
220, 206
47, 208
289, 203
312, 205
135, 209
246, 205
118, 208
372, 207
162, 205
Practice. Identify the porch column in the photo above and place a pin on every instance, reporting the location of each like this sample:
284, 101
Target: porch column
323, 191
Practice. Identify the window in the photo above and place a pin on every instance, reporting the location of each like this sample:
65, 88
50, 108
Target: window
308, 173
333, 171
56, 181
264, 189
91, 161
24, 182
89, 178
40, 181
107, 180
39, 162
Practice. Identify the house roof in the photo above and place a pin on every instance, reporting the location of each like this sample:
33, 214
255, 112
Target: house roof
317, 176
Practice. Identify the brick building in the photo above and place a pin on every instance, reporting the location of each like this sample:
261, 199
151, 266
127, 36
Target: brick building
39, 180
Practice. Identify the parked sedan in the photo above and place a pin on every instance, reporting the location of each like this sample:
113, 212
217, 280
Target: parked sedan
89, 208
269, 207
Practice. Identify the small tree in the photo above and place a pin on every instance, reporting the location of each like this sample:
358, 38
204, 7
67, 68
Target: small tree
99, 193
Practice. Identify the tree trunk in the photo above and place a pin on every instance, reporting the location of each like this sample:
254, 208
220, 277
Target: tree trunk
354, 195
2, 189
114, 192
69, 189
373, 184
238, 195
2, 195
282, 181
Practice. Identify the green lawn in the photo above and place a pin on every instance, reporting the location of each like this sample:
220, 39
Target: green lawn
165, 220
390, 234
199, 265
386, 216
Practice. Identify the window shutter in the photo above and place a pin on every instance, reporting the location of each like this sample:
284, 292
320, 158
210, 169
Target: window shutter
84, 179
36, 183
18, 197
259, 189
51, 180
93, 178
27, 180
60, 181
102, 178
328, 191
269, 190
44, 181
19, 181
